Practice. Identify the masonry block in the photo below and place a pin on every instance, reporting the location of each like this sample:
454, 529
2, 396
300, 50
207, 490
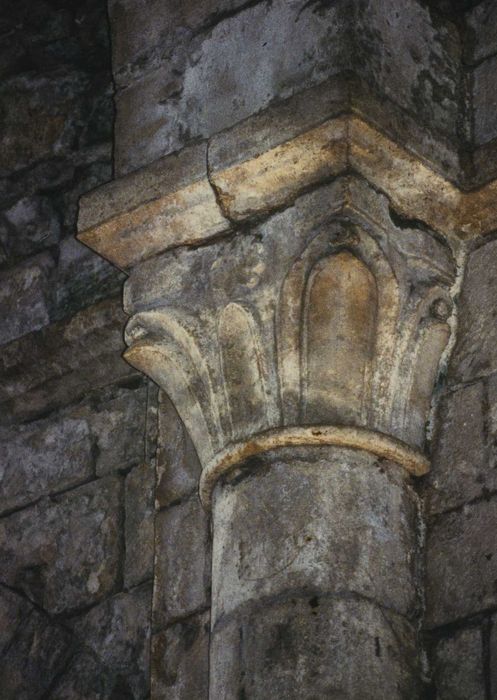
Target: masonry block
43, 457
458, 666
461, 469
320, 519
454, 590
64, 552
25, 297
118, 632
139, 524
180, 660
357, 650
182, 566
475, 353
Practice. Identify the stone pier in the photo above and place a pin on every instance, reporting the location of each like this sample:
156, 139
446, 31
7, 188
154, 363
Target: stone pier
298, 325
314, 578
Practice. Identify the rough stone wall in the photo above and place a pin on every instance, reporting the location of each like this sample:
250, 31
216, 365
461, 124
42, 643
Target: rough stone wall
461, 499
181, 601
187, 70
460, 493
480, 62
76, 423
83, 500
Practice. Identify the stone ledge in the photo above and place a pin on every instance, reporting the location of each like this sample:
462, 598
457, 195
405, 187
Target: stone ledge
183, 200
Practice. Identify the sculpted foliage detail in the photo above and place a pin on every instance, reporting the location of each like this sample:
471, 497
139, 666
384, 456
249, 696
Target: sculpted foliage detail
309, 319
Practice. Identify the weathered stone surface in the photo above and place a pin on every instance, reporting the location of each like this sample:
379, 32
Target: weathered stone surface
295, 115
460, 464
118, 424
178, 93
90, 172
25, 298
34, 658
83, 278
139, 524
118, 632
85, 678
412, 56
458, 667
314, 647
182, 565
163, 177
29, 226
484, 167
179, 106
454, 591
481, 24
168, 204
143, 34
178, 468
180, 660
33, 650
195, 66
152, 423
279, 174
55, 101
493, 656
271, 168
64, 552
13, 612
475, 353
60, 363
407, 180
43, 36
405, 128
314, 518
56, 124
57, 179
485, 101
42, 458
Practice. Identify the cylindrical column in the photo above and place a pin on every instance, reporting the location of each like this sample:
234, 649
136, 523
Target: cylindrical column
314, 579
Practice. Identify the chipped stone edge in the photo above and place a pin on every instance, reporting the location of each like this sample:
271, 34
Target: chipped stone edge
412, 184
372, 441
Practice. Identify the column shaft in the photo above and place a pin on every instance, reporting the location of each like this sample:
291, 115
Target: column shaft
314, 578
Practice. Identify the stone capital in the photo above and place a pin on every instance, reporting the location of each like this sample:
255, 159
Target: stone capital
295, 290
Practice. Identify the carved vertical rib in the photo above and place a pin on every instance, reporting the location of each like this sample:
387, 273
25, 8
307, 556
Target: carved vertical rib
290, 312
431, 344
242, 370
339, 336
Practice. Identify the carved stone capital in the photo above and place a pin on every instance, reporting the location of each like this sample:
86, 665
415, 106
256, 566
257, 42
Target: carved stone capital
310, 312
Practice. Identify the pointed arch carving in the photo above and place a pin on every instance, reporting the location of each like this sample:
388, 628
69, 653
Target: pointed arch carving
338, 340
364, 300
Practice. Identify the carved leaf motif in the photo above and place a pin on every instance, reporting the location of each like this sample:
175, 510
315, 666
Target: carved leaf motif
242, 370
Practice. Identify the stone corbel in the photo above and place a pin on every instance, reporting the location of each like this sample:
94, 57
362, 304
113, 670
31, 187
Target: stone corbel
275, 299
301, 332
